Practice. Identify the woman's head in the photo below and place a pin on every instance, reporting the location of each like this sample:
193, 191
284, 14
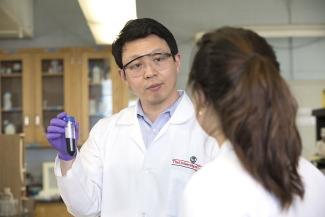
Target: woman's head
235, 73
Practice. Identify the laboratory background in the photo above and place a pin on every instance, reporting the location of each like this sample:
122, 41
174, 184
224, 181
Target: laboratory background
53, 58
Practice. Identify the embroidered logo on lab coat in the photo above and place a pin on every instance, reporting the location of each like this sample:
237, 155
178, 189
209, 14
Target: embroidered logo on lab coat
187, 164
193, 159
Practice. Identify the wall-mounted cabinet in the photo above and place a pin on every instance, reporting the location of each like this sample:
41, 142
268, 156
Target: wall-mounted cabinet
16, 93
44, 82
52, 73
104, 93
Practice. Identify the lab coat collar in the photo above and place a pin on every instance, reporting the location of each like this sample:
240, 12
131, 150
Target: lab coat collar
128, 116
183, 112
225, 148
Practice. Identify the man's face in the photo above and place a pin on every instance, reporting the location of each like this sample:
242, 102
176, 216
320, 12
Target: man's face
154, 87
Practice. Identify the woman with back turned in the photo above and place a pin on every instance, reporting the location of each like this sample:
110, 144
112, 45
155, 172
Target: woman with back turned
242, 100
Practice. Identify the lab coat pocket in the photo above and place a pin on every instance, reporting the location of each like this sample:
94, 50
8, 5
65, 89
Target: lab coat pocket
177, 182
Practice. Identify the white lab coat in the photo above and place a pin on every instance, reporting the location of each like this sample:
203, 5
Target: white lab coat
115, 176
224, 188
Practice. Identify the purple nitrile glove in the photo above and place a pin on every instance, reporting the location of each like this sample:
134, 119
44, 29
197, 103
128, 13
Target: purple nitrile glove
56, 136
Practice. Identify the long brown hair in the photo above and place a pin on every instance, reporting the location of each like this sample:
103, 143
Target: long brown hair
238, 73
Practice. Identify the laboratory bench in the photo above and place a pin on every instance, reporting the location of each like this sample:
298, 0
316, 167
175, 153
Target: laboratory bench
51, 209
22, 215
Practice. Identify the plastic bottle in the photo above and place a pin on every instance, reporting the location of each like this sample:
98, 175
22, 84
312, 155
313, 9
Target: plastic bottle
7, 194
7, 100
70, 135
10, 129
96, 74
8, 204
100, 106
92, 106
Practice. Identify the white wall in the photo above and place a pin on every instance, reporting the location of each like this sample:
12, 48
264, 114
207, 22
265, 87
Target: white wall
309, 95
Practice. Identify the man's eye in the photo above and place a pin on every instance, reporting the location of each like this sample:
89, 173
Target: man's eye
135, 66
160, 59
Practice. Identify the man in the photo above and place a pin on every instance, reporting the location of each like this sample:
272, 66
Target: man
137, 162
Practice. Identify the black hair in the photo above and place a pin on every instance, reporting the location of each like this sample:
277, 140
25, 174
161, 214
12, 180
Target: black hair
141, 28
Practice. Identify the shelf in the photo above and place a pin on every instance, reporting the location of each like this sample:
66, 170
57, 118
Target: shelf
52, 74
17, 109
53, 108
95, 84
19, 74
319, 112
97, 116
37, 146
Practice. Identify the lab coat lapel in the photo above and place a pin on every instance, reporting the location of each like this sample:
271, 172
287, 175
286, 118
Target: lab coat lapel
130, 119
183, 113
136, 136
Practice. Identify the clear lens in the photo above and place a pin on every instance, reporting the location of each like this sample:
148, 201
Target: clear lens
137, 67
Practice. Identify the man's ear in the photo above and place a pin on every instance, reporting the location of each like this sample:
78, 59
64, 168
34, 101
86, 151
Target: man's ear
178, 61
122, 74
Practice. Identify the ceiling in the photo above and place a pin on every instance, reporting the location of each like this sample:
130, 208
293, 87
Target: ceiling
184, 18
16, 18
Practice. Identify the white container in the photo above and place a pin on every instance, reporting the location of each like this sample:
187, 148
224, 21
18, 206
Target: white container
92, 106
100, 107
8, 205
16, 67
8, 70
7, 195
10, 129
7, 100
96, 74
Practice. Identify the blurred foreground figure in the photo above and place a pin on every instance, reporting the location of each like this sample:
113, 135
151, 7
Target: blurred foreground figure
242, 100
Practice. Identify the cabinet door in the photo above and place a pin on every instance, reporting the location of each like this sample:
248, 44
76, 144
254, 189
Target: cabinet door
104, 93
53, 75
16, 95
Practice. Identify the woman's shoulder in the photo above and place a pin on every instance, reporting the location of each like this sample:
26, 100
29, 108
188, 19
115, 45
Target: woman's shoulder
313, 201
306, 166
225, 181
225, 170
312, 177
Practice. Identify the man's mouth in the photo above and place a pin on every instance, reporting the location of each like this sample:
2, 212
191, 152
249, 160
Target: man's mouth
154, 87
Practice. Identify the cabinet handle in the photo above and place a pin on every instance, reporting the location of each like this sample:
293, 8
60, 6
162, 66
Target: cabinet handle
21, 164
72, 60
37, 120
26, 120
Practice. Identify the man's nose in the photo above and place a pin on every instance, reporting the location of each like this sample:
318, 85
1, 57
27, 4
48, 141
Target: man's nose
149, 71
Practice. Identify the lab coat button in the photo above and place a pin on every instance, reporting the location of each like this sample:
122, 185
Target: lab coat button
146, 171
143, 215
